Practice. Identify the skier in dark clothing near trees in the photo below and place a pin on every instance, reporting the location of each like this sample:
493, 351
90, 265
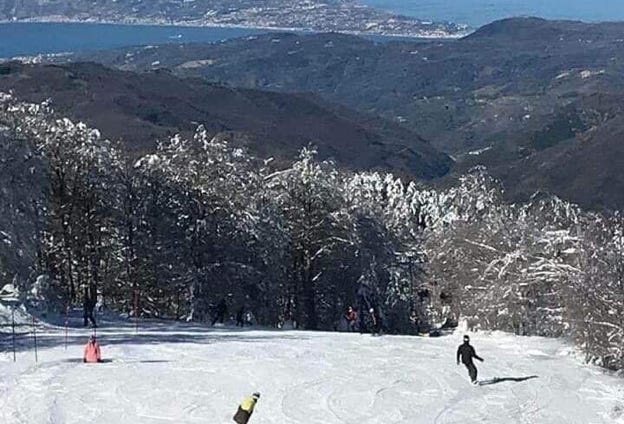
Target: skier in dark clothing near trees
240, 316
351, 317
376, 320
89, 306
220, 312
467, 352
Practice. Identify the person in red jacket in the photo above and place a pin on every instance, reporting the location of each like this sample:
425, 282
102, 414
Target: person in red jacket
351, 317
92, 351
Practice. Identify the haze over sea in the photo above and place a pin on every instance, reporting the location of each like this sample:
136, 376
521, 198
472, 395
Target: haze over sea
480, 12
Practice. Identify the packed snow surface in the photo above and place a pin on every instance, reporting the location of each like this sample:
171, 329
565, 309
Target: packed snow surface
174, 373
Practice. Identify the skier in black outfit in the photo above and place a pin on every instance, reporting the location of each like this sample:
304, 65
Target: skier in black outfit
240, 316
89, 306
467, 352
220, 312
376, 320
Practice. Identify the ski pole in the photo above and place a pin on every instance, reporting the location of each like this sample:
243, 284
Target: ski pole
94, 326
66, 324
35, 337
13, 330
136, 312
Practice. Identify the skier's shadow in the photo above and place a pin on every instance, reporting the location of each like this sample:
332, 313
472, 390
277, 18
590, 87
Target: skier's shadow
79, 360
497, 380
108, 361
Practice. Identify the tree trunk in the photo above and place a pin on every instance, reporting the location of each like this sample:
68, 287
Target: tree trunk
309, 295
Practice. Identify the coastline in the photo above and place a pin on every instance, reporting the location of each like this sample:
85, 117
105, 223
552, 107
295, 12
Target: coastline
54, 19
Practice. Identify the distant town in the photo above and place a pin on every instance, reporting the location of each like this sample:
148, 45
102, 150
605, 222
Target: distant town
302, 15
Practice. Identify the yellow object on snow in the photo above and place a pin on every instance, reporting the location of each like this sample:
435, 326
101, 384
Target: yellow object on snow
248, 404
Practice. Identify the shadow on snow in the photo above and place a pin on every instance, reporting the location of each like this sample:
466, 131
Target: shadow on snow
149, 332
497, 380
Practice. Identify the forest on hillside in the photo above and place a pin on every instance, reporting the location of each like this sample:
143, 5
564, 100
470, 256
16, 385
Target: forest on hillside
171, 234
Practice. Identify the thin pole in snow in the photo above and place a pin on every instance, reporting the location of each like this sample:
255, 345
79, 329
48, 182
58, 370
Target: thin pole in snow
34, 323
136, 312
66, 324
13, 330
94, 332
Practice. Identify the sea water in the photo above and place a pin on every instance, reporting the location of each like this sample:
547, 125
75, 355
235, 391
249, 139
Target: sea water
28, 39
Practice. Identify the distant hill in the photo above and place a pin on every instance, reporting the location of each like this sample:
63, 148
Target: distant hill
589, 170
519, 30
142, 108
518, 95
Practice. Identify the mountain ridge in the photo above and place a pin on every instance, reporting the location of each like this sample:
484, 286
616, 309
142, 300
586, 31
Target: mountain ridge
142, 108
516, 89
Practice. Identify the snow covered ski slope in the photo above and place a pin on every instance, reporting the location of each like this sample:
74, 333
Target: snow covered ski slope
172, 373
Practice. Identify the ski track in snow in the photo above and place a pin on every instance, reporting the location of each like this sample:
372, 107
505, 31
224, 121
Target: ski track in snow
172, 373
